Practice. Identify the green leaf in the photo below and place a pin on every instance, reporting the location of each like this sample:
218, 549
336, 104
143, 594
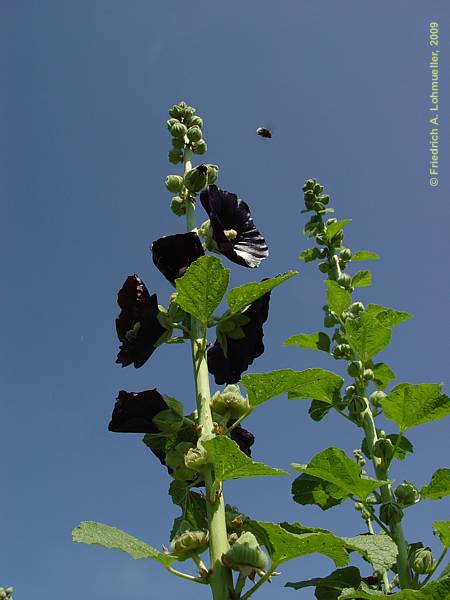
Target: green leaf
364, 255
442, 529
438, 487
174, 405
318, 410
283, 545
330, 586
230, 463
192, 504
310, 254
202, 287
338, 299
410, 405
436, 590
387, 316
366, 336
314, 341
311, 383
362, 279
378, 549
334, 466
240, 297
307, 489
382, 375
333, 228
90, 532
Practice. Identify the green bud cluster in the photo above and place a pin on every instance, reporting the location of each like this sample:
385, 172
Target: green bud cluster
185, 127
421, 560
6, 593
406, 494
315, 200
246, 556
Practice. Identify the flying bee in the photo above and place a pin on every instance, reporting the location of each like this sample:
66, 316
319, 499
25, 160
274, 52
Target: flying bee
264, 132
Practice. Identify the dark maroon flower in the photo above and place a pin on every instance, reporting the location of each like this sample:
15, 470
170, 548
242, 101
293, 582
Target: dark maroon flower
234, 232
134, 411
371, 580
240, 353
243, 438
173, 254
137, 325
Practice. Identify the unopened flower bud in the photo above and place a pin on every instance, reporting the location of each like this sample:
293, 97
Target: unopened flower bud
199, 147
342, 351
309, 185
230, 402
178, 130
349, 391
376, 398
196, 459
178, 143
188, 114
324, 198
195, 179
355, 368
196, 121
171, 122
421, 561
168, 421
194, 134
345, 254
356, 308
324, 267
407, 494
359, 506
344, 280
174, 183
178, 206
391, 513
321, 239
177, 110
213, 172
368, 374
175, 156
337, 238
189, 543
245, 555
383, 448
357, 404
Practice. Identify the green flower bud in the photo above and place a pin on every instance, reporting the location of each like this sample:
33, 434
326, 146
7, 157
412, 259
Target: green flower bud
177, 110
196, 459
171, 122
368, 374
345, 254
355, 368
356, 308
321, 239
421, 561
199, 147
324, 267
188, 114
344, 280
309, 185
245, 555
342, 351
324, 198
391, 513
376, 398
213, 172
189, 543
330, 319
175, 156
230, 402
178, 206
407, 494
337, 238
195, 179
359, 506
349, 391
178, 130
168, 421
357, 404
196, 121
178, 143
174, 183
383, 448
194, 134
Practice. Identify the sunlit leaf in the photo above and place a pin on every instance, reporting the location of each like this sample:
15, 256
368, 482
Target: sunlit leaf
240, 297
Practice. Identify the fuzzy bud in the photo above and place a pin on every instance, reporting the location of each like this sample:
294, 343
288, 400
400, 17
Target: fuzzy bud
178, 130
355, 368
345, 254
357, 404
196, 121
345, 281
245, 555
230, 402
384, 449
356, 308
175, 457
177, 110
407, 494
196, 459
391, 513
342, 351
175, 156
195, 179
199, 147
174, 183
171, 123
189, 543
376, 398
349, 391
213, 172
324, 267
178, 206
421, 561
188, 114
368, 374
194, 134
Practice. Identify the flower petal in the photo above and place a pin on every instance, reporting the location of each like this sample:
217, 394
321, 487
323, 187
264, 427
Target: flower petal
243, 438
134, 411
137, 325
173, 254
228, 212
240, 352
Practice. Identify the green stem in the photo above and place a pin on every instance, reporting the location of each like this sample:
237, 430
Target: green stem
240, 585
185, 575
220, 580
257, 585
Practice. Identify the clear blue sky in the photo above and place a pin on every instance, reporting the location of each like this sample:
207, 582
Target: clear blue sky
83, 156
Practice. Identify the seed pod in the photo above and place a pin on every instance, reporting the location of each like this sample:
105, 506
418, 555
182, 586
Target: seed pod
189, 543
199, 147
391, 513
421, 561
383, 448
376, 398
407, 494
174, 183
195, 179
194, 134
245, 555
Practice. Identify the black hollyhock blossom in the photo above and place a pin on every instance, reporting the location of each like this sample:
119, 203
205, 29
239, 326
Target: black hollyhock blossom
241, 352
243, 438
134, 412
234, 232
173, 254
137, 325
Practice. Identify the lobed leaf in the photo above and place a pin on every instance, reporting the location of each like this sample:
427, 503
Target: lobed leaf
313, 341
410, 405
90, 532
364, 255
318, 410
387, 316
362, 279
307, 489
366, 336
333, 584
240, 297
202, 287
383, 374
338, 299
438, 487
231, 463
380, 550
192, 504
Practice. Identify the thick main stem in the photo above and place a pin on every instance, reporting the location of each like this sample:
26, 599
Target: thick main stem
220, 580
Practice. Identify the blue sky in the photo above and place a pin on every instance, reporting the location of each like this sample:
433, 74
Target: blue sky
83, 158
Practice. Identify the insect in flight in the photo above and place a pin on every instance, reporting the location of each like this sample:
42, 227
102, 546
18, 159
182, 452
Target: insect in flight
264, 132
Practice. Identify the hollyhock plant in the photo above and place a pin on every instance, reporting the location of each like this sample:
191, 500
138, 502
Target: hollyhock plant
201, 441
